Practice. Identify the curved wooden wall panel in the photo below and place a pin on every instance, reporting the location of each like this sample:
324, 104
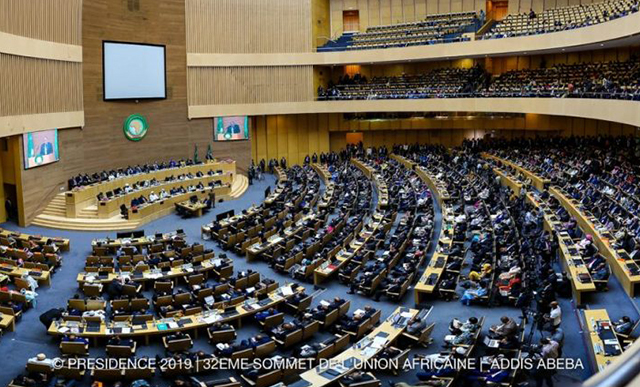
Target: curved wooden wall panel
52, 20
248, 26
295, 136
40, 65
229, 85
34, 86
624, 112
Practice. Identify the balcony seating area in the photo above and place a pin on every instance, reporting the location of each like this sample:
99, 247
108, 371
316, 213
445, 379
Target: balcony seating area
437, 83
604, 80
608, 80
434, 29
561, 19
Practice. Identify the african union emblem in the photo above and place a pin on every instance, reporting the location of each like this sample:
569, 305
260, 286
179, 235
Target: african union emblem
135, 127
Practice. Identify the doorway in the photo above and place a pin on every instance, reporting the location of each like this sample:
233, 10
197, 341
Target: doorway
354, 138
497, 10
351, 21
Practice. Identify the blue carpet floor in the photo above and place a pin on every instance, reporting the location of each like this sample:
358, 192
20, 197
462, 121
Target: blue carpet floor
30, 336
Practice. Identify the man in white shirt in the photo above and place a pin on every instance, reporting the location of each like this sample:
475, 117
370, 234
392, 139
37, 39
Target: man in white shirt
555, 316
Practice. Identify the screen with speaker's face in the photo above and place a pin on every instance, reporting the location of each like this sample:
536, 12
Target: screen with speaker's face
133, 71
40, 148
231, 128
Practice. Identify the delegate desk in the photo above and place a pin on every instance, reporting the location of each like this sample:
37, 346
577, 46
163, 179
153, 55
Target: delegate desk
63, 244
195, 209
140, 329
576, 268
151, 211
538, 182
377, 178
434, 184
256, 249
110, 208
81, 197
428, 282
42, 276
571, 260
330, 186
207, 264
205, 230
281, 177
506, 180
603, 343
112, 245
328, 268
624, 268
365, 349
7, 322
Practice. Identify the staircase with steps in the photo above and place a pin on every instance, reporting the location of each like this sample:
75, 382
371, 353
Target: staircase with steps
54, 215
57, 206
239, 186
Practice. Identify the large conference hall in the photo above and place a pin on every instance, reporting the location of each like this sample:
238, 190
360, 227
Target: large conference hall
320, 193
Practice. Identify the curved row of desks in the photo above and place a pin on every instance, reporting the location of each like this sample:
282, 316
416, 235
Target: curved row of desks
111, 207
358, 243
428, 282
570, 257
102, 330
538, 182
603, 344
365, 349
621, 264
63, 244
79, 198
378, 180
161, 208
208, 263
330, 186
624, 268
281, 177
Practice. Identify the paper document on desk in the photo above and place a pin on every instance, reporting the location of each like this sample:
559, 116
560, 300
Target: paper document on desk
379, 342
211, 319
286, 290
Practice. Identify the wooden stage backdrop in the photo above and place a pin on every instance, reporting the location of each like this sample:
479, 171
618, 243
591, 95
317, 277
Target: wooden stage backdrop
101, 143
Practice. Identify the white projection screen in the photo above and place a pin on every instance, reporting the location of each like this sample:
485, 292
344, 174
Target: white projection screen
133, 71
